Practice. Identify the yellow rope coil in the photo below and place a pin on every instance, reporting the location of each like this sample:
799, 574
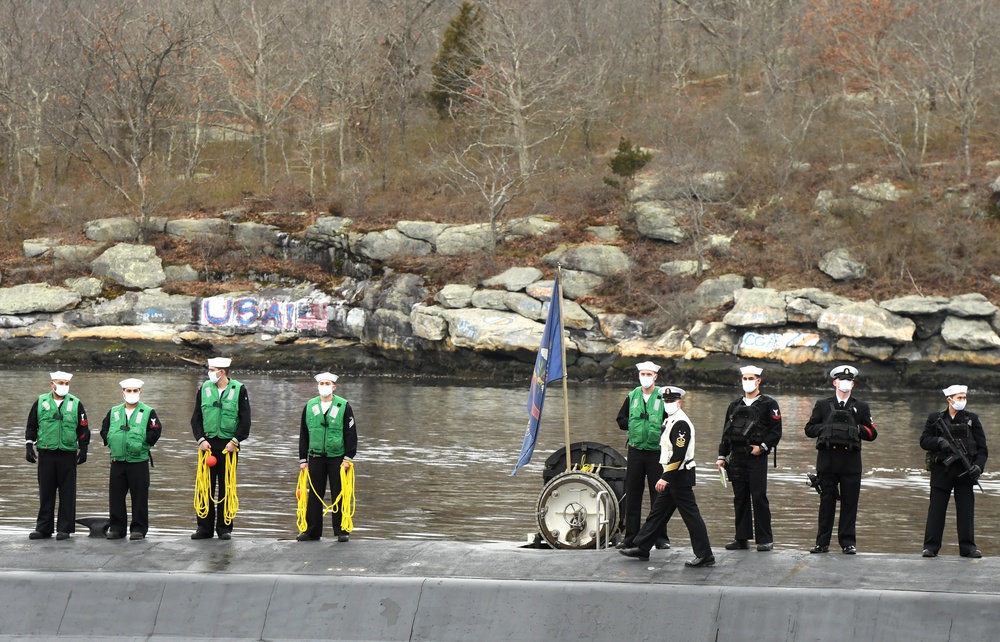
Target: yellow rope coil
344, 503
203, 487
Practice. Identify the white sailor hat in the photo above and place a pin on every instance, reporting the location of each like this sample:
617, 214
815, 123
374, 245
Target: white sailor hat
326, 376
59, 375
751, 370
647, 365
671, 393
219, 362
954, 390
130, 383
844, 372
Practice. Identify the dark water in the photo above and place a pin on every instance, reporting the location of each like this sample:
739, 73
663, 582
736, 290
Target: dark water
434, 459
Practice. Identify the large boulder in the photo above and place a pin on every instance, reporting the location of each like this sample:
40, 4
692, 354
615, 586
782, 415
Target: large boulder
684, 268
87, 286
116, 312
596, 259
657, 221
884, 192
74, 253
389, 330
712, 337
718, 292
657, 186
492, 331
757, 307
529, 226
619, 327
526, 306
514, 279
329, 231
115, 229
839, 266
454, 295
183, 273
867, 321
606, 233
578, 284
389, 244
489, 299
198, 228
38, 246
806, 305
971, 305
969, 334
914, 305
37, 297
399, 292
464, 239
255, 234
428, 231
428, 323
134, 266
155, 306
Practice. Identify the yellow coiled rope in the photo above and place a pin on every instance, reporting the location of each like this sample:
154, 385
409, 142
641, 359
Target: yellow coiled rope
344, 503
203, 487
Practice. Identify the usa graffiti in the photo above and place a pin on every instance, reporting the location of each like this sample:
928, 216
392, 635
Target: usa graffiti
263, 314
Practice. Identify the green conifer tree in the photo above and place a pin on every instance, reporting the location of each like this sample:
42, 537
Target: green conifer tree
457, 59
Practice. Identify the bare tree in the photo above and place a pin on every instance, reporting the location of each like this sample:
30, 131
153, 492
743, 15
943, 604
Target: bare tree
128, 50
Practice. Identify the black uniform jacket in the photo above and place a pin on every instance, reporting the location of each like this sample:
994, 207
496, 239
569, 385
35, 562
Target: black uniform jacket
769, 418
947, 476
835, 460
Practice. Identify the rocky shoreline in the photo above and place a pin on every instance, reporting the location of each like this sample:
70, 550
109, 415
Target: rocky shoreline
376, 320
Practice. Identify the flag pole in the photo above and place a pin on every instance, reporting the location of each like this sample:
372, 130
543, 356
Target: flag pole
562, 343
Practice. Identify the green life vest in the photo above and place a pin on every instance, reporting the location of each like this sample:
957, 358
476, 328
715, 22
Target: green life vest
57, 424
220, 413
645, 420
326, 431
127, 435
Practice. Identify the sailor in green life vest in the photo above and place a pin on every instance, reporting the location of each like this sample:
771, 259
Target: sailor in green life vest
57, 426
129, 430
642, 416
328, 441
220, 423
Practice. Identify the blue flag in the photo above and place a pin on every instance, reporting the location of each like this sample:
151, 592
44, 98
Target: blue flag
548, 367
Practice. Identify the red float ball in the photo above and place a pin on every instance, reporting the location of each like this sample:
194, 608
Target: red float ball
210, 460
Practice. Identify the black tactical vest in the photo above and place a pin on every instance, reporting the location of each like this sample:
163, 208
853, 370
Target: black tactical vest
839, 430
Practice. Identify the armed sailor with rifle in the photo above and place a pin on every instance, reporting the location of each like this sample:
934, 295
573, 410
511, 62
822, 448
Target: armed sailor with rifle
956, 445
839, 424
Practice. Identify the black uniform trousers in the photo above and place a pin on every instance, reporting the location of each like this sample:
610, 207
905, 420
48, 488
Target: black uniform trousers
216, 513
133, 479
680, 498
748, 475
965, 514
836, 476
643, 467
56, 474
322, 470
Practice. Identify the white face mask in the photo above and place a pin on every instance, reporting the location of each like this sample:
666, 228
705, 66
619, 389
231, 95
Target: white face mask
671, 407
132, 399
749, 386
959, 405
845, 385
213, 376
646, 381
62, 391
325, 391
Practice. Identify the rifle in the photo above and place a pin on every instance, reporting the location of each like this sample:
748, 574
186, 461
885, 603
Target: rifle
960, 450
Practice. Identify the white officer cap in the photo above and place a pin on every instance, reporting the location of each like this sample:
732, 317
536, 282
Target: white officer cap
219, 362
954, 390
647, 365
59, 375
671, 393
751, 370
844, 372
130, 383
326, 376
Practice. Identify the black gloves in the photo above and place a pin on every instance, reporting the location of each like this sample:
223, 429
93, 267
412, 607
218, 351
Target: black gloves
944, 445
29, 453
81, 456
975, 472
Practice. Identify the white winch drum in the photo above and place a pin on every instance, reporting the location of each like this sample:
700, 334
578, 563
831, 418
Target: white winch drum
568, 510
